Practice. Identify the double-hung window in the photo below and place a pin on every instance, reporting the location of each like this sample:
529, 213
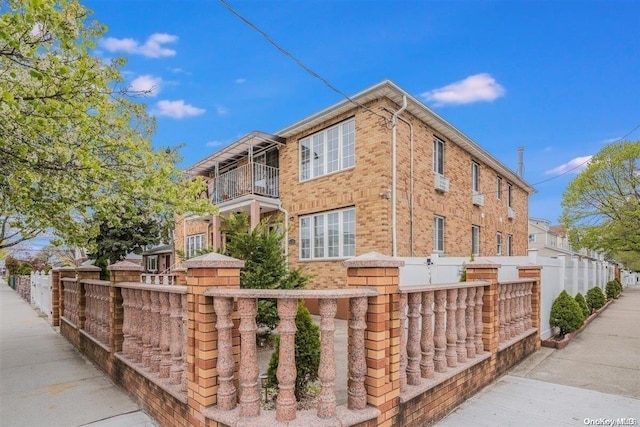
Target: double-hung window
152, 263
438, 156
509, 244
328, 235
328, 151
438, 234
195, 244
475, 177
499, 188
475, 240
509, 194
499, 243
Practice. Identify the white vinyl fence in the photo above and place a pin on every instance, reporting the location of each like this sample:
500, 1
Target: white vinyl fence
41, 292
573, 274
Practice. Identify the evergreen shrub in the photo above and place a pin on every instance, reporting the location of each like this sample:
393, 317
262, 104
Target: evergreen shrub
583, 304
595, 299
566, 314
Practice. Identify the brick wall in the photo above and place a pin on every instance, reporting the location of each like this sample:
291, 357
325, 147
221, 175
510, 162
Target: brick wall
189, 227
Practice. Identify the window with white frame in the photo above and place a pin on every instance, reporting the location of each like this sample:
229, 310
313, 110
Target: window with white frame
475, 177
475, 240
328, 151
532, 238
438, 234
438, 155
499, 187
509, 194
152, 263
498, 243
509, 244
195, 244
328, 234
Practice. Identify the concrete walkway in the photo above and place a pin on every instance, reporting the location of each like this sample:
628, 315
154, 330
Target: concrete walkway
594, 379
44, 381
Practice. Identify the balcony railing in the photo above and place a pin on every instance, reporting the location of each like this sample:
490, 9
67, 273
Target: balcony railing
252, 178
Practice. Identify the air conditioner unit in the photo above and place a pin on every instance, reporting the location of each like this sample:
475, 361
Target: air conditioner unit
511, 214
477, 199
440, 183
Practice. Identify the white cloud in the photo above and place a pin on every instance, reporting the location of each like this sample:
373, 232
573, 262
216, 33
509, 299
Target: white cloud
476, 88
177, 109
147, 83
573, 165
240, 80
152, 48
610, 140
216, 143
222, 110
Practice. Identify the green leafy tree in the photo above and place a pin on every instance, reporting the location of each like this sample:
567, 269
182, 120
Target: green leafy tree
601, 206
565, 314
583, 304
75, 149
595, 299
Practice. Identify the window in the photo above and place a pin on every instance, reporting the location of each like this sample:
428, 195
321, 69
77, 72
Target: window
475, 177
499, 188
194, 245
509, 245
475, 240
152, 263
509, 194
499, 243
438, 234
532, 238
328, 151
328, 235
438, 156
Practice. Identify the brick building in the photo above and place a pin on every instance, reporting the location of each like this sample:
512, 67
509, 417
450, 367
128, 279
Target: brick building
331, 177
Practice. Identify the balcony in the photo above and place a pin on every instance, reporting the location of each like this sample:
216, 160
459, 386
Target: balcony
252, 178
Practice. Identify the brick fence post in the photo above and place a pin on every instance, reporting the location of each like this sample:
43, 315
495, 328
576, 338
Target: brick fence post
533, 272
210, 270
123, 271
55, 297
63, 272
488, 271
382, 336
84, 272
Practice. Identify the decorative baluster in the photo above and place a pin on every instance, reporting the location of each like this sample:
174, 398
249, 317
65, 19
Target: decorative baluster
183, 340
249, 390
225, 365
138, 323
165, 335
175, 302
403, 341
146, 329
521, 308
502, 316
518, 311
327, 368
426, 341
470, 324
89, 316
451, 332
155, 331
126, 323
105, 314
509, 330
439, 340
528, 318
286, 372
478, 322
413, 343
356, 392
461, 349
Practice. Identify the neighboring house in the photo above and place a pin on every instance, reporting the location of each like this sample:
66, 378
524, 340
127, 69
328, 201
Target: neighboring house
332, 178
552, 240
158, 259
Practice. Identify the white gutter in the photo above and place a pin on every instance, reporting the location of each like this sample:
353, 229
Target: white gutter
394, 220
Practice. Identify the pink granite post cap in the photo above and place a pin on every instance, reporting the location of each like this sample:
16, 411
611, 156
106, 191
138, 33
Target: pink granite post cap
482, 264
373, 260
88, 268
529, 267
125, 266
213, 260
65, 268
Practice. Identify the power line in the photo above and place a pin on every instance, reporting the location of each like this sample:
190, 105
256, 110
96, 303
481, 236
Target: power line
297, 61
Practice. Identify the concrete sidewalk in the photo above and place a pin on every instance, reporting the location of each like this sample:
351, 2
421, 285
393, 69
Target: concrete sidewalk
44, 381
597, 376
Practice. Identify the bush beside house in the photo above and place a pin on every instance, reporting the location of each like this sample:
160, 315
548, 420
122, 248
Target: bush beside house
595, 299
566, 314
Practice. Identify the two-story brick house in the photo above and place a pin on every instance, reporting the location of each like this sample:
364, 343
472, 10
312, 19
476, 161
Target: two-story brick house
332, 177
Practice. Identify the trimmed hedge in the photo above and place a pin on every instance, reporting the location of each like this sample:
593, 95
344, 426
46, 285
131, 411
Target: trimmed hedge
566, 314
595, 299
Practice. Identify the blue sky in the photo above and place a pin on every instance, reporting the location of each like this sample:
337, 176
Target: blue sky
560, 78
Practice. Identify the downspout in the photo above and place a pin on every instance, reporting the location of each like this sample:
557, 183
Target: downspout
286, 232
411, 179
394, 220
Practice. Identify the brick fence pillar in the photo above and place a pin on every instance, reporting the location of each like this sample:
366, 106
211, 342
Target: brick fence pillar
123, 271
533, 272
84, 272
55, 297
487, 271
382, 336
210, 270
63, 272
